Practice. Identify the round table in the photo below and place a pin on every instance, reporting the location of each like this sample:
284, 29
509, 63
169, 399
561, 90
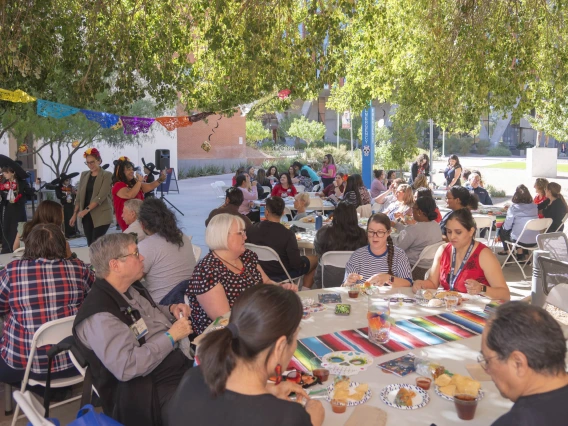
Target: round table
454, 356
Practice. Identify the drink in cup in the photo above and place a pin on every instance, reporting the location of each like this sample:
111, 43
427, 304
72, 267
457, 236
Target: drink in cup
339, 405
451, 302
319, 371
378, 314
353, 291
465, 406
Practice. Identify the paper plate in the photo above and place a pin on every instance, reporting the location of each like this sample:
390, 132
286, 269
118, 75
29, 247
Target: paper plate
346, 363
350, 403
480, 395
316, 307
388, 396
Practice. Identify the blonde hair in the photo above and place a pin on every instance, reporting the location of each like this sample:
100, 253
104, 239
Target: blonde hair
541, 184
217, 232
421, 181
304, 197
408, 198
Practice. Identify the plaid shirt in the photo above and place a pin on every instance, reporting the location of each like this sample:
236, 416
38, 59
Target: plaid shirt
33, 292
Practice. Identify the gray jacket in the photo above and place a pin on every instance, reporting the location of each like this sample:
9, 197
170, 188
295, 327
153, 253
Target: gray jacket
517, 216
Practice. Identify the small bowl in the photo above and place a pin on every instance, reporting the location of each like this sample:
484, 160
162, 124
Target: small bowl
338, 405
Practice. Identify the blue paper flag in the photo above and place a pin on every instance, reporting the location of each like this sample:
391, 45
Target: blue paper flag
55, 110
105, 119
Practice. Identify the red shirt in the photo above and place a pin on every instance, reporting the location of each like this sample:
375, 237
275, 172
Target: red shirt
119, 203
471, 270
537, 200
439, 217
279, 191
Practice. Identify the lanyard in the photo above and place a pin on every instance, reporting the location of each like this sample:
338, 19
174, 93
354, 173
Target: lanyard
452, 279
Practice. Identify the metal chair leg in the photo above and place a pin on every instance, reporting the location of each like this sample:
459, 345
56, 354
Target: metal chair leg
8, 401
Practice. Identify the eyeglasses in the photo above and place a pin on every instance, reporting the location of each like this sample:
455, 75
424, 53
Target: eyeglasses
90, 163
242, 233
377, 233
483, 361
136, 253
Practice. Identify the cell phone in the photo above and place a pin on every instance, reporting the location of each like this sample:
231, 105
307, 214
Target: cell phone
342, 309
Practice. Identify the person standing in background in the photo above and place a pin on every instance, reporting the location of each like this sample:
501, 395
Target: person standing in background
328, 171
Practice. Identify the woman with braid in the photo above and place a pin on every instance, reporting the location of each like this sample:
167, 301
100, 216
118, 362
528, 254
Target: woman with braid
379, 263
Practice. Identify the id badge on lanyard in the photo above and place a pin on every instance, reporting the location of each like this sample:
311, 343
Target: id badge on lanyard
453, 278
139, 327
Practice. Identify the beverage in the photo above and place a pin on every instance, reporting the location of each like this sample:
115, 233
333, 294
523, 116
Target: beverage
321, 373
423, 382
465, 406
339, 405
378, 318
262, 217
353, 292
451, 302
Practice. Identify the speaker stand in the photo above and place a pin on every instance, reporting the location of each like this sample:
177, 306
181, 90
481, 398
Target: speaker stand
166, 200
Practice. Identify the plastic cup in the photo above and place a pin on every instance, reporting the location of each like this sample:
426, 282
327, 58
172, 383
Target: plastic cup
423, 382
319, 371
353, 291
378, 314
465, 406
339, 405
451, 302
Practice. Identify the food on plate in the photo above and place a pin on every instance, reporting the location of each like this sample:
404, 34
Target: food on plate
343, 391
404, 397
435, 303
443, 380
457, 384
308, 219
428, 295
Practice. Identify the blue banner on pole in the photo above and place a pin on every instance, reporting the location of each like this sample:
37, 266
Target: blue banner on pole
368, 144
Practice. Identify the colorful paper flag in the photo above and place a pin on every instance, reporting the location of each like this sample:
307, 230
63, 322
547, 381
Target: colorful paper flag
15, 96
105, 119
54, 109
172, 123
135, 125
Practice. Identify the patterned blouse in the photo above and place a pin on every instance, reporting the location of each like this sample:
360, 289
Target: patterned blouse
210, 272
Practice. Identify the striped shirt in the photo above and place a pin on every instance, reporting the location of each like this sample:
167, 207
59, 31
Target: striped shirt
364, 262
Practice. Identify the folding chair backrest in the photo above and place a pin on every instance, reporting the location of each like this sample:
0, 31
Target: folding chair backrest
53, 332
555, 243
196, 252
336, 258
558, 297
428, 252
316, 203
537, 225
484, 221
266, 254
300, 188
553, 273
564, 219
365, 211
267, 189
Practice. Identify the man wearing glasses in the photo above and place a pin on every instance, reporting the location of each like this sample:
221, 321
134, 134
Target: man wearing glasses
129, 342
523, 350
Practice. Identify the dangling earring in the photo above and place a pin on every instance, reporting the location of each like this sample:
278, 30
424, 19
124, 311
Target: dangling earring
278, 374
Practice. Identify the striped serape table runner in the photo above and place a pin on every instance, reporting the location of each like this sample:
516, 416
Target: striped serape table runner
406, 334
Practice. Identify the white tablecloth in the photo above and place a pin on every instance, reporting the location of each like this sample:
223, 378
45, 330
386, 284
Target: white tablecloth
454, 356
290, 204
82, 253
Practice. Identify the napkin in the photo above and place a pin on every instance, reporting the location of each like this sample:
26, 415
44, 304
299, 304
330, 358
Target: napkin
478, 373
367, 415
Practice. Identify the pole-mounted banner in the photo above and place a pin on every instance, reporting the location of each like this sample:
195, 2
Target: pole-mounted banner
368, 144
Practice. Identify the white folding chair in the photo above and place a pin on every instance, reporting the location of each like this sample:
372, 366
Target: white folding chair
427, 253
50, 333
267, 189
316, 203
334, 258
80, 368
365, 211
555, 243
267, 254
317, 188
219, 188
484, 222
558, 297
539, 225
564, 219
196, 252
32, 408
300, 188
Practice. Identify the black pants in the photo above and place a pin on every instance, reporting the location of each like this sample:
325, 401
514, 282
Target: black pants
506, 236
14, 377
91, 232
254, 216
325, 182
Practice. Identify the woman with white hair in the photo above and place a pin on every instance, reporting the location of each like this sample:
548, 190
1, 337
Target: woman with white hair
224, 273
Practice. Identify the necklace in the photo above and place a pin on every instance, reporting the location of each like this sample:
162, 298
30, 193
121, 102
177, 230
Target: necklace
232, 264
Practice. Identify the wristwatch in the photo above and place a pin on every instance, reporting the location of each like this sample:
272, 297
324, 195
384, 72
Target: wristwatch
483, 288
391, 279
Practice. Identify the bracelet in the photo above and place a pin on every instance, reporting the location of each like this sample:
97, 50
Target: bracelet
171, 338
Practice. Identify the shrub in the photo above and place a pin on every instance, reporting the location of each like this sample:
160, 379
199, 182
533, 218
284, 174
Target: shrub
255, 132
308, 130
458, 145
494, 192
499, 151
483, 146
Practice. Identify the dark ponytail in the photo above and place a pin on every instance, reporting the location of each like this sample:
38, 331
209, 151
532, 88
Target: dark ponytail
260, 316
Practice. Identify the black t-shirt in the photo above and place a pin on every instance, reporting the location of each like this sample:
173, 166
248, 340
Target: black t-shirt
89, 190
192, 404
543, 409
282, 240
555, 211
